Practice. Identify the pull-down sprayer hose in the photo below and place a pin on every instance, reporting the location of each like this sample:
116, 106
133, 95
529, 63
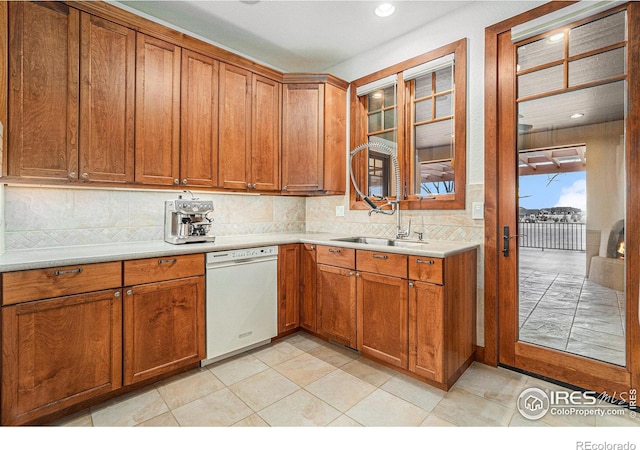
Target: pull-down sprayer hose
380, 148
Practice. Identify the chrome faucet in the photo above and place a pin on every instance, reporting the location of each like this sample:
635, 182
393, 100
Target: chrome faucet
400, 233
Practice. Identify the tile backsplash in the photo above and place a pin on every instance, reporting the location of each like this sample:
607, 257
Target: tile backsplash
52, 217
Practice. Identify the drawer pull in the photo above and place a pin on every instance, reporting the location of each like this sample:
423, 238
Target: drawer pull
334, 250
379, 256
167, 261
423, 261
66, 272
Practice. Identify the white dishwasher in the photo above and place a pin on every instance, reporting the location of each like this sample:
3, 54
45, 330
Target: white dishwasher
242, 300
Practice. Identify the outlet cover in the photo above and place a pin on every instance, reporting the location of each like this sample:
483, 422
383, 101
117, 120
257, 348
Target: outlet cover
340, 211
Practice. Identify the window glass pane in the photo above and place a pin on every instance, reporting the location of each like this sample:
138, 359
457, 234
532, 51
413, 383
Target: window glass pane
388, 138
594, 35
540, 52
444, 79
389, 118
423, 86
423, 110
390, 96
597, 67
375, 122
444, 106
375, 101
433, 156
378, 174
435, 178
540, 81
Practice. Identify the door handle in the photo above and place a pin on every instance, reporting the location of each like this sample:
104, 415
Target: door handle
506, 238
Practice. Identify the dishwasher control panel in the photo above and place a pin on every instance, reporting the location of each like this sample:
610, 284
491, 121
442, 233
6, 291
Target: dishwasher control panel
243, 253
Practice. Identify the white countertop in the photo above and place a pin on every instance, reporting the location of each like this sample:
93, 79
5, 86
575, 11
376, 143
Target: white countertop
86, 254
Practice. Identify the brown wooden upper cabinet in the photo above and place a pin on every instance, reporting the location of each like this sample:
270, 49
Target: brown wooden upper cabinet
249, 130
96, 96
314, 134
71, 78
157, 111
199, 120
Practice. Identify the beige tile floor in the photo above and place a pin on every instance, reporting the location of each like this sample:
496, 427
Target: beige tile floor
303, 381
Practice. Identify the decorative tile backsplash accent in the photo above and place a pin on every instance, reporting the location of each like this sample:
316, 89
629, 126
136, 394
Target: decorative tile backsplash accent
53, 217
38, 217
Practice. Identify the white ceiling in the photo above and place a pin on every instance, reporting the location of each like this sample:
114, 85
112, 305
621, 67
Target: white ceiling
295, 36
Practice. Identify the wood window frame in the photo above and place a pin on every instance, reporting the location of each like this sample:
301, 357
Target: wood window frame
358, 131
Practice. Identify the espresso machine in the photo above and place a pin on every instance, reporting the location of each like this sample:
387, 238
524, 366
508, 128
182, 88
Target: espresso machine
187, 220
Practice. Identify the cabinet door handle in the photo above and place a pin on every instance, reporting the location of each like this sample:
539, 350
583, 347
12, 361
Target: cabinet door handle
334, 250
66, 272
410, 285
379, 256
350, 274
312, 247
129, 292
116, 294
425, 261
167, 261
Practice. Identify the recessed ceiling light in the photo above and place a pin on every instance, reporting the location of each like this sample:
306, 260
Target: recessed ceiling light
385, 10
556, 37
576, 115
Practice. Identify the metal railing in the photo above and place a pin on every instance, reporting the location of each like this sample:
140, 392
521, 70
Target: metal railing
553, 235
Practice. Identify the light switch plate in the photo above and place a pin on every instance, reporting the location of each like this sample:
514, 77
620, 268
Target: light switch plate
340, 211
477, 210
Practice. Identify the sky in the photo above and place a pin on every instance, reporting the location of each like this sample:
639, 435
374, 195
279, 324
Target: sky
566, 189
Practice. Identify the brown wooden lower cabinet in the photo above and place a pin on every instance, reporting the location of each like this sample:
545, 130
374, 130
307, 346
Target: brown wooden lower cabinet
336, 303
64, 345
163, 327
442, 316
288, 287
308, 287
426, 330
383, 318
59, 352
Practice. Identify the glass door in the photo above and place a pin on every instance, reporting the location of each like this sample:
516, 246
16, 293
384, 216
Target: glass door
563, 206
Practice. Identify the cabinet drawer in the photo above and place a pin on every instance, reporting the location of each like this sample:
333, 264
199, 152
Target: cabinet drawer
382, 263
336, 256
39, 284
151, 270
424, 268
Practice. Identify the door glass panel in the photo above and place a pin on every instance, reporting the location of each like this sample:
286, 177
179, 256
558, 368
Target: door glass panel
571, 219
539, 82
540, 52
596, 67
598, 34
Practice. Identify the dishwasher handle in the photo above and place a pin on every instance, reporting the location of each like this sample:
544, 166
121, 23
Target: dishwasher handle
239, 262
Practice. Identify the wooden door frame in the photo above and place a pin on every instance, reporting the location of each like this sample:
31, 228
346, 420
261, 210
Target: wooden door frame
493, 136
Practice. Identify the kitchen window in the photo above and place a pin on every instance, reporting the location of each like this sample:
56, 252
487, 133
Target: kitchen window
418, 109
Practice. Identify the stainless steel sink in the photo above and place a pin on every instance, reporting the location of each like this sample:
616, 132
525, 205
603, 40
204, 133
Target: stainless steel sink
382, 241
366, 240
409, 244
